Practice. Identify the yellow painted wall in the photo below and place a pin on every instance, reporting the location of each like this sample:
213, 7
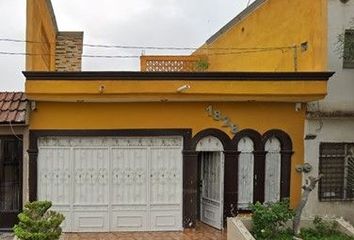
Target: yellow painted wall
135, 90
276, 23
41, 36
256, 115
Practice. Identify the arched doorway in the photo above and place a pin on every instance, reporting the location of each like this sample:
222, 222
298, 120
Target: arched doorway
211, 181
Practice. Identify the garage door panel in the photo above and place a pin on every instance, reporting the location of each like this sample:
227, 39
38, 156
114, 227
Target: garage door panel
91, 175
135, 207
129, 220
54, 175
113, 183
165, 220
90, 221
129, 176
165, 176
165, 207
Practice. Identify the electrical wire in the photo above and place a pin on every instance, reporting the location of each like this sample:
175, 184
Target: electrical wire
152, 47
137, 56
14, 133
84, 56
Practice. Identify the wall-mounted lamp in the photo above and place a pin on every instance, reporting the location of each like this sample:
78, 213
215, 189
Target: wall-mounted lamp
183, 88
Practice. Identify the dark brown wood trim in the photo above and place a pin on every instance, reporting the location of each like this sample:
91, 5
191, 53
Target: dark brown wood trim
190, 188
182, 76
286, 153
255, 136
283, 137
230, 183
222, 136
259, 176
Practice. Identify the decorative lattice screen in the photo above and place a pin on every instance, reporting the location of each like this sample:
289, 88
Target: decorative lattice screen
169, 64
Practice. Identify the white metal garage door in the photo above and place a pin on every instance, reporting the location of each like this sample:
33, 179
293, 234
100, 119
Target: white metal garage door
113, 183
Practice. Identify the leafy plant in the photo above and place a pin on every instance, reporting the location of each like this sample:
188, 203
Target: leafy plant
37, 223
269, 219
323, 230
201, 65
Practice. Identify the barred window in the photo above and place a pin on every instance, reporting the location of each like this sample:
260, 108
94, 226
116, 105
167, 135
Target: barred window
337, 168
348, 57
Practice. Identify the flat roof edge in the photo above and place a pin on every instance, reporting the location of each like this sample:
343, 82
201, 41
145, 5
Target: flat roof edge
201, 76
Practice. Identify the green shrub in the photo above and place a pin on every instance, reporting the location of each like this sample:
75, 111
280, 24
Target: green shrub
269, 219
37, 223
323, 230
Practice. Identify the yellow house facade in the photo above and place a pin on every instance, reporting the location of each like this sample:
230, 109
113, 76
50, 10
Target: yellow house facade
151, 151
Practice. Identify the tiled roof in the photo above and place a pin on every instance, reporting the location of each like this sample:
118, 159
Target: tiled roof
13, 107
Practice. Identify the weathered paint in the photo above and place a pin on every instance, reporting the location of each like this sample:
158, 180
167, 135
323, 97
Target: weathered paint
340, 99
327, 130
274, 23
41, 34
68, 116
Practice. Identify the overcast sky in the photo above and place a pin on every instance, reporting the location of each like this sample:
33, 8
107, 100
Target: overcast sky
166, 23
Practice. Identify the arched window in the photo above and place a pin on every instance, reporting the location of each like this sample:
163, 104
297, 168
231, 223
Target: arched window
272, 170
245, 173
209, 144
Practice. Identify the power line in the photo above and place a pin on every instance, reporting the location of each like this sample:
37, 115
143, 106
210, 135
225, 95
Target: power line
137, 56
153, 47
85, 56
110, 56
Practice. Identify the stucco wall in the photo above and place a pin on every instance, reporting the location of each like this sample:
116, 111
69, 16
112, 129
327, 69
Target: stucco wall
334, 130
340, 88
6, 130
340, 98
274, 23
258, 115
41, 33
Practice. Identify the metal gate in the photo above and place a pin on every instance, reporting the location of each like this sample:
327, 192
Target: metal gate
113, 184
212, 181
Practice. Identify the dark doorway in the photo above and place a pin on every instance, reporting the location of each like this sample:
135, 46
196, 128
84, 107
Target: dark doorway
10, 180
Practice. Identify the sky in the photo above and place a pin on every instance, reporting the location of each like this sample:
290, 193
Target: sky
156, 23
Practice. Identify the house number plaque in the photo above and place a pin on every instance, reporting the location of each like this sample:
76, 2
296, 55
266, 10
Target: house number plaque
218, 116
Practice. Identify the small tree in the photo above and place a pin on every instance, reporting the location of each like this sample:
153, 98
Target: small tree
308, 187
37, 223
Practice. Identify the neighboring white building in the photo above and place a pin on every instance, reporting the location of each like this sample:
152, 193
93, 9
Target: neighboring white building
329, 144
